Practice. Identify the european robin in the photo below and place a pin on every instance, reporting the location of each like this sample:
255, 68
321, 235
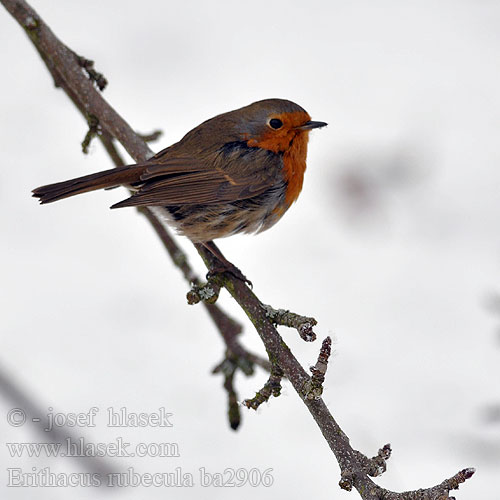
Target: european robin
237, 172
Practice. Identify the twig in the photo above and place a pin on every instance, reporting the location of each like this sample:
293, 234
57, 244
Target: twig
271, 388
88, 65
209, 293
93, 131
439, 492
228, 368
376, 465
303, 324
313, 388
151, 137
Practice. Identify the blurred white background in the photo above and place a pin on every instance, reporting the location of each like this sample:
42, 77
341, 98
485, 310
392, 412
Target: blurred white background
393, 245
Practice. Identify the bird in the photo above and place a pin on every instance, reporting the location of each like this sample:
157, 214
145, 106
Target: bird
237, 172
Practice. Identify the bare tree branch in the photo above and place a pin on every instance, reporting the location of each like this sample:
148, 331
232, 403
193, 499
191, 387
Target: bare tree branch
66, 69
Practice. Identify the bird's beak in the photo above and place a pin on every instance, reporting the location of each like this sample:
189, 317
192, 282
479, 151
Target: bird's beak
310, 125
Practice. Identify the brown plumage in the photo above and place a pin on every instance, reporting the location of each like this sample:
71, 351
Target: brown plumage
237, 172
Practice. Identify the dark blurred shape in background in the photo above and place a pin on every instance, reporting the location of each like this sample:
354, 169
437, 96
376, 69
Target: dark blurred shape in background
367, 181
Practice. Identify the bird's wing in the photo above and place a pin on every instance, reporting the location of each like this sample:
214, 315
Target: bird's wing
236, 172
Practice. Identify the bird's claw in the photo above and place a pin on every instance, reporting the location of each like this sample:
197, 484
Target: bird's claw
220, 268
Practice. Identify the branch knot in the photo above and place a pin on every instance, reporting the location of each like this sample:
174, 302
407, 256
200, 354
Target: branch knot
209, 293
97, 78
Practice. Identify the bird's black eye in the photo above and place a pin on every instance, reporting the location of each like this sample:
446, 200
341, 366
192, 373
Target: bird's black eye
275, 123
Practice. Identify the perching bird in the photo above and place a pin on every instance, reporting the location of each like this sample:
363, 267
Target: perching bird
237, 172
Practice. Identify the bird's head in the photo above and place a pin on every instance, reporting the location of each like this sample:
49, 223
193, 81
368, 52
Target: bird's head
273, 124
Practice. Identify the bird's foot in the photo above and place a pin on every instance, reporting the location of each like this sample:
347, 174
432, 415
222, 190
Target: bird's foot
223, 267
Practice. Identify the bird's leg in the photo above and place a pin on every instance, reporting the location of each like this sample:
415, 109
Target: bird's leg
223, 265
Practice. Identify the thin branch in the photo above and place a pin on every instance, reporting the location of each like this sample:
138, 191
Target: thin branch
303, 324
66, 71
439, 492
152, 136
93, 131
228, 368
314, 387
271, 388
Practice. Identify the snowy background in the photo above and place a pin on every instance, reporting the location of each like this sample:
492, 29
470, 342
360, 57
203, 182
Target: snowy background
394, 244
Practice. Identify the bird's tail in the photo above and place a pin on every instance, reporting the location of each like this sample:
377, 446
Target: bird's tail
105, 179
